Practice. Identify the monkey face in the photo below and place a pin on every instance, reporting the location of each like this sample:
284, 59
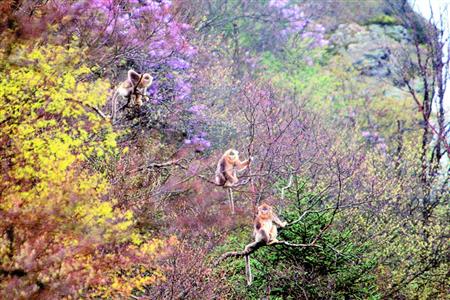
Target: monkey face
147, 80
265, 210
233, 155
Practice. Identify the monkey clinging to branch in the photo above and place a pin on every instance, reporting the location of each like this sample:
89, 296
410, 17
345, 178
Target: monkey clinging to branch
227, 167
145, 82
132, 89
264, 231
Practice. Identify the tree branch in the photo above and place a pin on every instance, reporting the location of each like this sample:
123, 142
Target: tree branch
252, 247
94, 108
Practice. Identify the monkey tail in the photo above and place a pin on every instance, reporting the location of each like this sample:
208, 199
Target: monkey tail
114, 106
230, 198
248, 271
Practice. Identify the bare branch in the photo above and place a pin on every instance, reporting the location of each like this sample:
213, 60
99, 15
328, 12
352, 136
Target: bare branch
161, 165
94, 108
252, 247
286, 187
98, 111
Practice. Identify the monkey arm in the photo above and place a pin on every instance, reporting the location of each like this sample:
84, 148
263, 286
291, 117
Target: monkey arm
277, 221
242, 165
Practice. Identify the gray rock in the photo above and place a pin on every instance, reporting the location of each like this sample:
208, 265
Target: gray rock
369, 47
398, 33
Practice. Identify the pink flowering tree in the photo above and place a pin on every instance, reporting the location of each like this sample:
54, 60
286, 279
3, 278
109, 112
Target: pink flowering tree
250, 27
119, 35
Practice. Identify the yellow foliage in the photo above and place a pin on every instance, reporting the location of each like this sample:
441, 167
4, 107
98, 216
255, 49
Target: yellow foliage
49, 134
45, 111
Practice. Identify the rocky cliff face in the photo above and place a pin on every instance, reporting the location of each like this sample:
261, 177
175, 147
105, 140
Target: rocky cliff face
370, 35
370, 47
373, 50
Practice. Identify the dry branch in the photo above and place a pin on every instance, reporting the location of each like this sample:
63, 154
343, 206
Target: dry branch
98, 111
283, 189
94, 108
252, 247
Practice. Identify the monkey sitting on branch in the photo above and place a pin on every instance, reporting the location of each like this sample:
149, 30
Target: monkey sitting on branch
264, 231
265, 234
226, 172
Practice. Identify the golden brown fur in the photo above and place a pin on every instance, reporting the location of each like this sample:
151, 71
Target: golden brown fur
264, 230
133, 88
145, 82
228, 166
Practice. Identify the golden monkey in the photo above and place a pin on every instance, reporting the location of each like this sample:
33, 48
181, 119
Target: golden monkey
145, 82
264, 227
264, 230
133, 88
227, 167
